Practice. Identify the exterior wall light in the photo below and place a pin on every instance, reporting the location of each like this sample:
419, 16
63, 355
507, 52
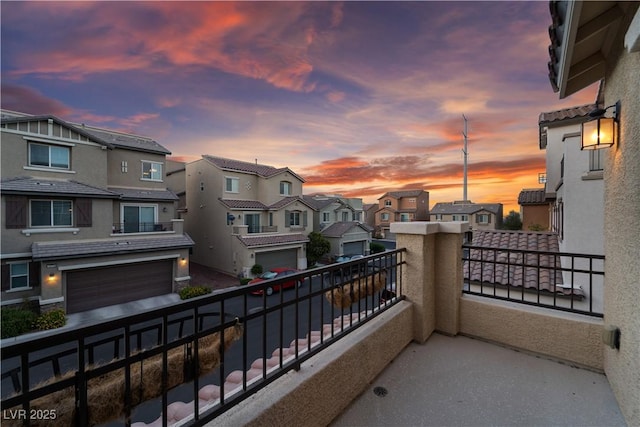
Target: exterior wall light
51, 279
601, 132
183, 261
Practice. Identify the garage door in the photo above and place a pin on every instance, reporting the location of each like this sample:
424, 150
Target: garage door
353, 248
284, 258
99, 287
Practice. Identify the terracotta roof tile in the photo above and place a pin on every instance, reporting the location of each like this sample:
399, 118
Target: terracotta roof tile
532, 197
272, 239
581, 111
247, 167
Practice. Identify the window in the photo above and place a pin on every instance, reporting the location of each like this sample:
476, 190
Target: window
326, 216
438, 217
596, 160
387, 202
384, 217
140, 219
253, 222
285, 188
483, 218
404, 217
48, 156
124, 166
231, 185
345, 216
51, 213
460, 218
201, 186
294, 218
151, 171
19, 275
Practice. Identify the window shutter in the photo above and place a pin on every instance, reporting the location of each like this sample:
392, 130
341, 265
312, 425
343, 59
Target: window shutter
83, 212
304, 218
287, 218
34, 274
6, 277
16, 212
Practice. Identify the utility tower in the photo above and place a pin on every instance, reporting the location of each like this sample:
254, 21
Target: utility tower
466, 153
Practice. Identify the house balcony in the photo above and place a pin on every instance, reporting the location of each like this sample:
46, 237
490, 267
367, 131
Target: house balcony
458, 358
141, 227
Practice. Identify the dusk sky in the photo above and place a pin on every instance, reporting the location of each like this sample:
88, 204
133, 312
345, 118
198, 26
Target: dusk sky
359, 98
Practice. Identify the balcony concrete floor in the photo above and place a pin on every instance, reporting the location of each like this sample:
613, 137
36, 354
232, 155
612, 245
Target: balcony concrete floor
460, 381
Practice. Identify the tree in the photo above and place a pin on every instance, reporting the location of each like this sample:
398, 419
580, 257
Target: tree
376, 247
317, 247
512, 221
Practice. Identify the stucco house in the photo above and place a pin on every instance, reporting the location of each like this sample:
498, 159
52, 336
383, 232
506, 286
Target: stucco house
535, 209
87, 220
592, 41
348, 238
480, 216
400, 206
241, 214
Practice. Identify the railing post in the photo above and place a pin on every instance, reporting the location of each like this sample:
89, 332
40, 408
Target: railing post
433, 275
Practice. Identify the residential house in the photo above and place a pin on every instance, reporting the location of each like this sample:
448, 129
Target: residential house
480, 216
241, 214
574, 181
339, 219
87, 221
400, 206
593, 41
535, 209
369, 211
176, 178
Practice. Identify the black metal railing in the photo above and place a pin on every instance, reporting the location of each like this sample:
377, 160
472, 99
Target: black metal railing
559, 280
141, 227
210, 353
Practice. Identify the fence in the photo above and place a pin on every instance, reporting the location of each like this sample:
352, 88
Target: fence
558, 280
188, 363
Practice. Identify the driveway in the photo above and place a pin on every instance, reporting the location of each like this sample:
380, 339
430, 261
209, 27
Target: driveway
204, 276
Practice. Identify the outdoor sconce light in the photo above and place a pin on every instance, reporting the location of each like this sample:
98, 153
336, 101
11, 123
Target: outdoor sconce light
51, 278
601, 132
183, 261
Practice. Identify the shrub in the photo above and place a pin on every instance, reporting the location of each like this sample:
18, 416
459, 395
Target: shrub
194, 291
376, 247
256, 270
51, 320
16, 321
245, 280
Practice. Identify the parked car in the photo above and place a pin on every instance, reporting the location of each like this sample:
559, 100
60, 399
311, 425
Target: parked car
274, 273
348, 271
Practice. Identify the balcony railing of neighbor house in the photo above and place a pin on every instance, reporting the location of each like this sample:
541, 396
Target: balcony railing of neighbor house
190, 362
141, 227
558, 280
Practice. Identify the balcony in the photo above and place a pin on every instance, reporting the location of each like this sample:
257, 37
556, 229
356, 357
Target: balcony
141, 227
325, 353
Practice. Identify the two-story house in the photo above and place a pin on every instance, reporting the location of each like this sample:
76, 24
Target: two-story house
339, 220
86, 221
400, 206
480, 216
241, 214
574, 181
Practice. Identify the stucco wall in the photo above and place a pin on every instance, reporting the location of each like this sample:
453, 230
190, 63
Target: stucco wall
327, 383
564, 336
132, 176
622, 228
535, 214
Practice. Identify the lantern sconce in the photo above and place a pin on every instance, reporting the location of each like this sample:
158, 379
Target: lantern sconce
601, 132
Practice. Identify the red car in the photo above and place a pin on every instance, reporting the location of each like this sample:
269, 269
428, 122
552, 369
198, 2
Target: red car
272, 274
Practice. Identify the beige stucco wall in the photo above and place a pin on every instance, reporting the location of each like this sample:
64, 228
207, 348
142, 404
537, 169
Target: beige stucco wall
622, 228
535, 214
133, 175
564, 336
326, 384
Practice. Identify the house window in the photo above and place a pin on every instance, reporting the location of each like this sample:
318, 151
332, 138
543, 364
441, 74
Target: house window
253, 222
294, 218
438, 217
326, 216
19, 275
345, 216
285, 188
140, 218
412, 201
231, 185
404, 217
596, 160
384, 217
151, 171
51, 213
201, 186
387, 202
483, 218
49, 156
124, 166
460, 218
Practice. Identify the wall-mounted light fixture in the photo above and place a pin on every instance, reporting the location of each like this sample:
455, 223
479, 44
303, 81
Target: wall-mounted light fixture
183, 261
51, 278
601, 131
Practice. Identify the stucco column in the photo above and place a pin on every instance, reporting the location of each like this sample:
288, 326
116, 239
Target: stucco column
432, 276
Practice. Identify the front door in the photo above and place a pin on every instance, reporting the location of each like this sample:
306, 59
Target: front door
253, 221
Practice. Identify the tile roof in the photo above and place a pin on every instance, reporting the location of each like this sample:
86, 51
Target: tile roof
243, 204
532, 197
465, 208
125, 140
517, 269
285, 201
148, 194
338, 229
30, 185
579, 112
319, 204
401, 194
247, 167
272, 239
89, 248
